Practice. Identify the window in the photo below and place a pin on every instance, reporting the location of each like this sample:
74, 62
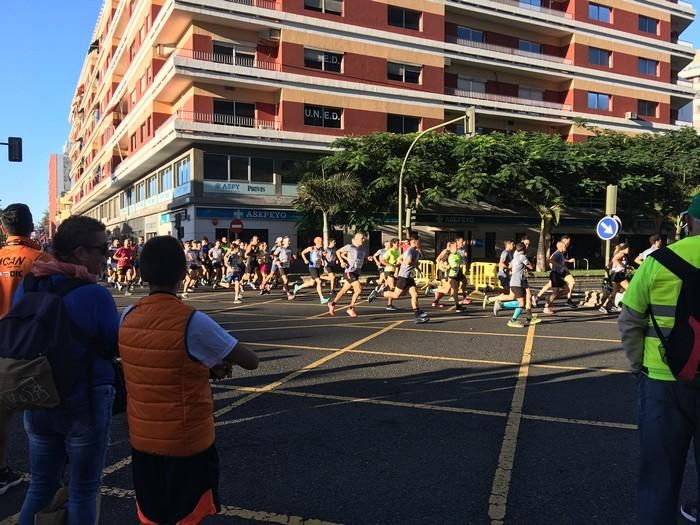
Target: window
472, 35
232, 113
402, 124
239, 168
142, 132
132, 51
530, 93
403, 73
648, 25
531, 4
406, 18
215, 166
333, 7
599, 57
149, 75
261, 170
182, 172
647, 108
143, 83
291, 171
598, 12
471, 85
647, 67
132, 99
133, 142
140, 192
530, 47
165, 179
324, 117
599, 101
149, 127
323, 60
151, 187
142, 33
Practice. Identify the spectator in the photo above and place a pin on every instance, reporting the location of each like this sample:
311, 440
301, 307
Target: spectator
16, 260
169, 351
668, 409
77, 431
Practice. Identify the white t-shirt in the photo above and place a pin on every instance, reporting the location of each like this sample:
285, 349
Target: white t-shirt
207, 341
646, 252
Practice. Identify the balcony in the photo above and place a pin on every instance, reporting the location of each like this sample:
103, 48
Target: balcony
232, 60
507, 99
525, 5
228, 120
507, 50
264, 4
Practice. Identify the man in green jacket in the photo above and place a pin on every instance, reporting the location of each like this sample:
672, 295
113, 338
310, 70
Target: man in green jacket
669, 410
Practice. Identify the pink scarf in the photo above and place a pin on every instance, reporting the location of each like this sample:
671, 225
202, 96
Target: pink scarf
54, 266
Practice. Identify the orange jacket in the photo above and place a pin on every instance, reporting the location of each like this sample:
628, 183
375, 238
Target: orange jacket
16, 260
169, 405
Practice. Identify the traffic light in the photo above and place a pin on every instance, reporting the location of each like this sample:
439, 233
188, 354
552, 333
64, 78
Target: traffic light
14, 149
471, 122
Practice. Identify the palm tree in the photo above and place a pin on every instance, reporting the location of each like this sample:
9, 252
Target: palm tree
327, 194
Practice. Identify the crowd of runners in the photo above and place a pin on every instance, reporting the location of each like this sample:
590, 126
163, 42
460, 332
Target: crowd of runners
332, 272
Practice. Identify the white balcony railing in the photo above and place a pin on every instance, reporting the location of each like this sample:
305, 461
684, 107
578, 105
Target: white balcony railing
265, 4
528, 6
507, 50
227, 120
232, 60
506, 99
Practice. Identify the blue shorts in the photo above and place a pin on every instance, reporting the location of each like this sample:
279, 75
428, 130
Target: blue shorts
232, 278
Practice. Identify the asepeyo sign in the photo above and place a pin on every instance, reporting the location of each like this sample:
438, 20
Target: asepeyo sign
238, 187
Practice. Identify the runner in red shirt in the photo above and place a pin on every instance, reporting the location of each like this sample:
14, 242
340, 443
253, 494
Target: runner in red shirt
125, 257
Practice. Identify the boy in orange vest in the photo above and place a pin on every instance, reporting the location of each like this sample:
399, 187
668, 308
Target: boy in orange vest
168, 351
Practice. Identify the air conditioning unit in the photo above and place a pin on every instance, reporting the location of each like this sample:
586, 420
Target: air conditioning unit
631, 115
270, 35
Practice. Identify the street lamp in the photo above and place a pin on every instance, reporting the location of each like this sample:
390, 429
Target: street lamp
469, 126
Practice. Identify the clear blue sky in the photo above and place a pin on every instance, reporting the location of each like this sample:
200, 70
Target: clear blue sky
44, 43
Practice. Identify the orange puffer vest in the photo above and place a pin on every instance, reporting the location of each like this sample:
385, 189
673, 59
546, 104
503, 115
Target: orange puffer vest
170, 407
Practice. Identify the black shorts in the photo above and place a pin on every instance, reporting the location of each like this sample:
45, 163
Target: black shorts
251, 266
388, 273
557, 280
121, 270
404, 283
315, 273
618, 277
333, 268
459, 277
282, 270
505, 283
169, 488
216, 264
519, 292
352, 277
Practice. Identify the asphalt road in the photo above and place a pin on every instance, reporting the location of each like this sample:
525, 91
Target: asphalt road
379, 420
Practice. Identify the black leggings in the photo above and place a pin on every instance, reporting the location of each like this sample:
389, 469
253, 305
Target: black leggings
454, 285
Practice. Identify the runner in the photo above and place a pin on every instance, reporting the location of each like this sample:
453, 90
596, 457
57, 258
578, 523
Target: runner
556, 277
112, 263
519, 285
655, 244
332, 268
507, 295
207, 268
234, 271
283, 257
442, 267
378, 258
265, 284
565, 274
618, 277
455, 274
137, 262
391, 259
251, 262
216, 258
192, 269
125, 266
406, 280
315, 263
351, 257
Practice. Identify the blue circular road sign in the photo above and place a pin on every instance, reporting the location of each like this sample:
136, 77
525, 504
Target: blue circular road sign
608, 228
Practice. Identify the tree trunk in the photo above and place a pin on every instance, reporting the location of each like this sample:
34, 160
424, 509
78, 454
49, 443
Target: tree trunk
545, 233
325, 230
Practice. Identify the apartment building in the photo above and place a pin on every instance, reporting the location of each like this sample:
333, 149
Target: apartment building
59, 186
195, 112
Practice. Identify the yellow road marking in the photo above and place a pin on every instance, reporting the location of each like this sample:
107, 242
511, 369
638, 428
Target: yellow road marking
369, 324
470, 332
227, 510
272, 386
430, 407
501, 482
326, 314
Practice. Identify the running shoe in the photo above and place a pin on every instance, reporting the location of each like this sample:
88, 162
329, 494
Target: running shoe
485, 302
8, 479
297, 287
690, 512
466, 301
534, 320
459, 309
372, 295
119, 287
128, 293
571, 304
515, 324
331, 309
381, 288
184, 296
391, 308
252, 285
290, 296
615, 309
547, 310
438, 305
325, 300
351, 312
536, 301
422, 317
262, 291
603, 310
237, 301
496, 307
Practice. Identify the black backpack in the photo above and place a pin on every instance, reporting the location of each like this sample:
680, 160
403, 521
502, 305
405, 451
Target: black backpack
37, 369
682, 344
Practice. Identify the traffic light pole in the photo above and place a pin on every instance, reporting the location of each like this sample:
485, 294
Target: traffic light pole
610, 210
468, 119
